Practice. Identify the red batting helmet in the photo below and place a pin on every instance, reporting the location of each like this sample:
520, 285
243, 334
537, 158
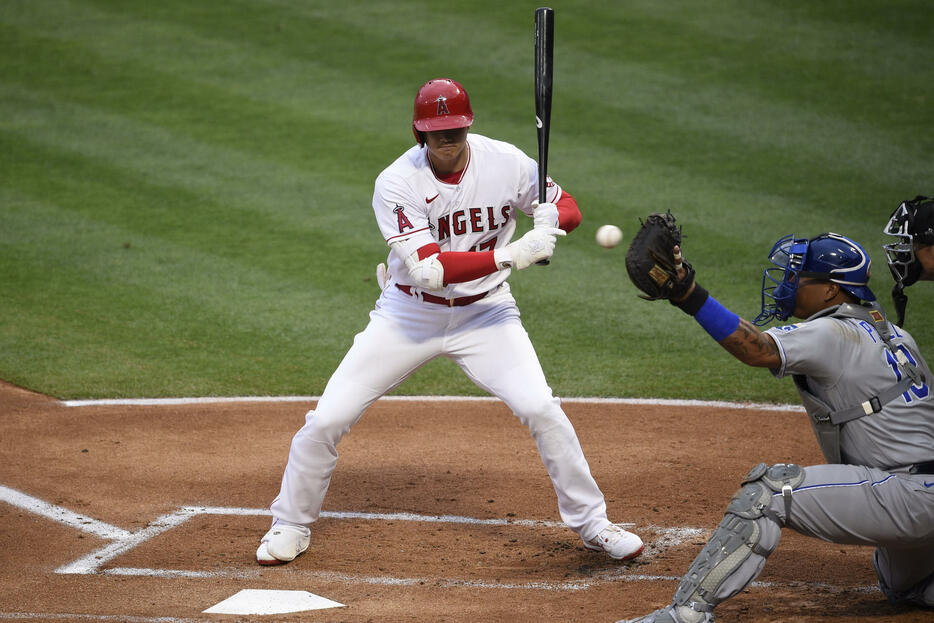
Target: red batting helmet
441, 104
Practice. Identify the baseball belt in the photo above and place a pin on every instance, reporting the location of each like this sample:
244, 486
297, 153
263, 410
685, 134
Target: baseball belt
438, 300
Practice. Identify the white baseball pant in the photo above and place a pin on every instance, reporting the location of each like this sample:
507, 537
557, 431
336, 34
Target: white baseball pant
487, 340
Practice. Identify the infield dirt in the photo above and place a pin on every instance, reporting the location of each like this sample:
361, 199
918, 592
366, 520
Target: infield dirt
661, 469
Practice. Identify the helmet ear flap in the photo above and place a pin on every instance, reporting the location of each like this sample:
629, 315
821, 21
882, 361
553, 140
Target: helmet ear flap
912, 273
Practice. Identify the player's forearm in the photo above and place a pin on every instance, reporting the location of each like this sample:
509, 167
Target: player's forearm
461, 266
737, 336
752, 346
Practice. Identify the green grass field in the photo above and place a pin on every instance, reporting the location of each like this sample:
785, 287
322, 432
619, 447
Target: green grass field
185, 187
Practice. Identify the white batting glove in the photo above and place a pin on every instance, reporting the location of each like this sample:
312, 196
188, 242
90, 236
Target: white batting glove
545, 215
536, 245
428, 273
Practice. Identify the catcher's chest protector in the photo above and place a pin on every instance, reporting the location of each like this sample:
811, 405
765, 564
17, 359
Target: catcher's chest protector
826, 421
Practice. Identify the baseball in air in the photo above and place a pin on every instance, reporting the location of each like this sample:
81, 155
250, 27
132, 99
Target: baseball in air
608, 236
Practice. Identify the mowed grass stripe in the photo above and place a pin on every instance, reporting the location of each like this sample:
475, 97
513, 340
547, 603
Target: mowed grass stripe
246, 91
724, 133
183, 181
727, 128
210, 112
244, 55
154, 316
748, 116
780, 131
235, 240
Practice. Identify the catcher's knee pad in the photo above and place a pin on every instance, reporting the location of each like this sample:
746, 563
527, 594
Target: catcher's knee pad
781, 478
738, 536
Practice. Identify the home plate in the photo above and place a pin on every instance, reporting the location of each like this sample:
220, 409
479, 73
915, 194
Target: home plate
251, 601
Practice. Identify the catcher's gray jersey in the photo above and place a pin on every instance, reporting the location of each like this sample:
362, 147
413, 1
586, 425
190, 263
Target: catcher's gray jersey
881, 495
846, 362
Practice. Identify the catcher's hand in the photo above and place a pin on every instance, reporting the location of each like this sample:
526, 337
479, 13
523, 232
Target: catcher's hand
654, 261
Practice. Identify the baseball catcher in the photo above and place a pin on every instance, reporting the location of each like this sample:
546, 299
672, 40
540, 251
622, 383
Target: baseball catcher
866, 389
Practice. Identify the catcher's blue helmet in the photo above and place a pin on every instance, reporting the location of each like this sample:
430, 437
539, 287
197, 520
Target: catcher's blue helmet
830, 256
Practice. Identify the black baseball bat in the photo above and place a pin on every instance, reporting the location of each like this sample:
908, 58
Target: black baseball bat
544, 64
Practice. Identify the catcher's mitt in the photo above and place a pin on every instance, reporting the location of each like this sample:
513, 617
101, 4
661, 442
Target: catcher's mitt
651, 262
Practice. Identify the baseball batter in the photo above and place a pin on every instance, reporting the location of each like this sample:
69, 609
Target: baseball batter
867, 390
447, 208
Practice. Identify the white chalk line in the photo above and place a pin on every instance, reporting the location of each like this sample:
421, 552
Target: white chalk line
351, 578
62, 515
124, 541
749, 406
91, 563
348, 579
70, 616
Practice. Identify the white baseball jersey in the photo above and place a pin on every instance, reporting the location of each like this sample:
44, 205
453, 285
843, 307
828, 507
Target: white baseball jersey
414, 207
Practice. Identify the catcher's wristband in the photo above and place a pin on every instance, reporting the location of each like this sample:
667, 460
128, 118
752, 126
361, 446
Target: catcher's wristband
692, 303
717, 320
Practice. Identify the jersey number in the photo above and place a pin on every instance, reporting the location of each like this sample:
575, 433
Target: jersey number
919, 392
489, 245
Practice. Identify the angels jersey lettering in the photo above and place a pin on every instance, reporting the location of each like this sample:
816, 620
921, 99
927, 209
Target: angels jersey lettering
467, 216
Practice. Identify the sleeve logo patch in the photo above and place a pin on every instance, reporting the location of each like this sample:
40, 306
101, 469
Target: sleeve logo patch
404, 222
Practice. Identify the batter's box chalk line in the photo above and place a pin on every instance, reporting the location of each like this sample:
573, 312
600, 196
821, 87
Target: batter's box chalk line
122, 541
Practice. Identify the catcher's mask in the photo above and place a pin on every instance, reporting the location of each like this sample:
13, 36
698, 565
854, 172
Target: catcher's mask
829, 257
911, 222
440, 104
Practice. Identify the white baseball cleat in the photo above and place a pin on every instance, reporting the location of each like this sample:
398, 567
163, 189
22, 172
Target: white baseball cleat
616, 542
282, 544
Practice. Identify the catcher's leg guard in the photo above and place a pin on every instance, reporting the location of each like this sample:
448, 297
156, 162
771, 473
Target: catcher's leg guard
748, 528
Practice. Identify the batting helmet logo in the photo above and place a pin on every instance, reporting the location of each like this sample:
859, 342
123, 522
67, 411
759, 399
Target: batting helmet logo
441, 104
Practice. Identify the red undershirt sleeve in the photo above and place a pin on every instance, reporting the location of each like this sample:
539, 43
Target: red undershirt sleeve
569, 215
461, 266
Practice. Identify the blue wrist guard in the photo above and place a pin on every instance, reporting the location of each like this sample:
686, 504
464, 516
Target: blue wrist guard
717, 320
